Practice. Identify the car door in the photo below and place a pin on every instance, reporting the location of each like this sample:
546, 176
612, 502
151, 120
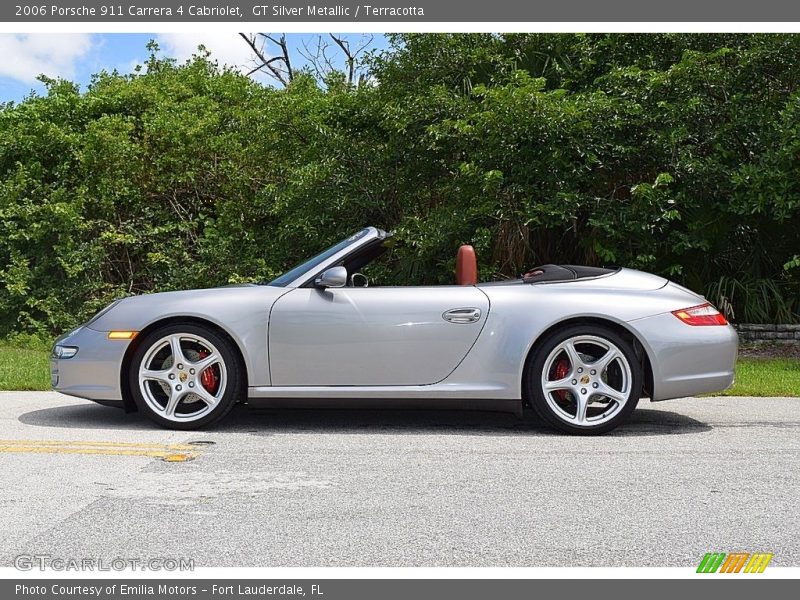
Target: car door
373, 336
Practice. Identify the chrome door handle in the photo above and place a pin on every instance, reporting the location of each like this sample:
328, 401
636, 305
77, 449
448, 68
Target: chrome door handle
462, 315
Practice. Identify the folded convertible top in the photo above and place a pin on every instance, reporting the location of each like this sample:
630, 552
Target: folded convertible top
551, 273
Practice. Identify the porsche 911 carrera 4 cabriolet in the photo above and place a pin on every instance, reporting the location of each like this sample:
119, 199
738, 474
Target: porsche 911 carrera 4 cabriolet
577, 345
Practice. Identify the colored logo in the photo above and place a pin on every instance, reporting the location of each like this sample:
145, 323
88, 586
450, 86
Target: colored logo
738, 562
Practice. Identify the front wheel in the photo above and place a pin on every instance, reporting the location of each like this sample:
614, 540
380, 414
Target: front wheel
584, 379
185, 376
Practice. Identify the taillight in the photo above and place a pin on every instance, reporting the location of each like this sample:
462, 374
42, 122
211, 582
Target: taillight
703, 314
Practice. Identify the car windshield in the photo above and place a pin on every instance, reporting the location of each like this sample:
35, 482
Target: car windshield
310, 264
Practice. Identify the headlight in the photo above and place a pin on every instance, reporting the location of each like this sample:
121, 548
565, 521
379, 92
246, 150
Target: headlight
64, 352
102, 312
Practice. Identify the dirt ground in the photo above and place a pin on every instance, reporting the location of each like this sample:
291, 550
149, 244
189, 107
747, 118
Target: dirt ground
769, 350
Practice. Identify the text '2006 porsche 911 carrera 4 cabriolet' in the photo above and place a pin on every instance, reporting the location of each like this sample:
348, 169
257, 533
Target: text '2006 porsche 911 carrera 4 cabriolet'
578, 345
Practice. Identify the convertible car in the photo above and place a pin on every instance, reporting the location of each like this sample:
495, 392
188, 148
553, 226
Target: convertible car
577, 345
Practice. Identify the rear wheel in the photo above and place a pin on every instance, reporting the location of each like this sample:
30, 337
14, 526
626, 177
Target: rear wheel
584, 379
185, 376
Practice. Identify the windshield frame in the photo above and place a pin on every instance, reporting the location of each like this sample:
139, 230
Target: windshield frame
298, 275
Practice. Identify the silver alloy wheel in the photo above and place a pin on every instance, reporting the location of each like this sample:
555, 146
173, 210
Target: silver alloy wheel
586, 372
171, 377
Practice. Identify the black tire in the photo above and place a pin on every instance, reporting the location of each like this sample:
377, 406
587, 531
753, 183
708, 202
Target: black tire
235, 381
534, 394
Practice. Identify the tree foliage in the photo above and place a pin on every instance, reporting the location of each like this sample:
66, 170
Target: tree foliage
678, 154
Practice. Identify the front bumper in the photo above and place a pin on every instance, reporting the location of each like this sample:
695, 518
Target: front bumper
94, 372
687, 360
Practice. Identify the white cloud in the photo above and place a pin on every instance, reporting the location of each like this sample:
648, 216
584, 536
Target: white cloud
226, 47
26, 56
132, 65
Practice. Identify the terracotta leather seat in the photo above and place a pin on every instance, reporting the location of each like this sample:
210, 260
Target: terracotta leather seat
466, 266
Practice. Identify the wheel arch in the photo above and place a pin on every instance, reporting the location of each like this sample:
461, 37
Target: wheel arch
127, 396
626, 332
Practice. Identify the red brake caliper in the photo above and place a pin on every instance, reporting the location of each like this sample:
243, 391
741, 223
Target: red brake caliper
209, 378
561, 371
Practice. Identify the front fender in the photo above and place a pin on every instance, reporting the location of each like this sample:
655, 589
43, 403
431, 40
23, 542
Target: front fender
242, 312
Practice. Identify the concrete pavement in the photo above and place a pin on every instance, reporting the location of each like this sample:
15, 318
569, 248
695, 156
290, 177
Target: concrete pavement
396, 488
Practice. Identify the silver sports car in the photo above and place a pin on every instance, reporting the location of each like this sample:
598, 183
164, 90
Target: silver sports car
578, 345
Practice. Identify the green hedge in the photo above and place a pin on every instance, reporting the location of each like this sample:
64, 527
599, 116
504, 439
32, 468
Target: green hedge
678, 154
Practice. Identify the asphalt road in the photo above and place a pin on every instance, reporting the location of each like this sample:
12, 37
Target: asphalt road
373, 488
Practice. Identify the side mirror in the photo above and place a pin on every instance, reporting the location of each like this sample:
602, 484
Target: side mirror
335, 277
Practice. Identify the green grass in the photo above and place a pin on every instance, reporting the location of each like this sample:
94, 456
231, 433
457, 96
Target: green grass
28, 369
24, 368
766, 377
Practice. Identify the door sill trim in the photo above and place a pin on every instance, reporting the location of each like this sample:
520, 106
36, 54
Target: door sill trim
484, 404
435, 390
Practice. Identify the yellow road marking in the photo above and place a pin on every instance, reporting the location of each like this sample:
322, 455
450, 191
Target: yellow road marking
167, 452
178, 458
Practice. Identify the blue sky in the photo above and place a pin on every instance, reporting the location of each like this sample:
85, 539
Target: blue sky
77, 56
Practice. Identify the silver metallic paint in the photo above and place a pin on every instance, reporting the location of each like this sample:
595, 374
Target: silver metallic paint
94, 372
371, 336
241, 311
385, 342
335, 277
